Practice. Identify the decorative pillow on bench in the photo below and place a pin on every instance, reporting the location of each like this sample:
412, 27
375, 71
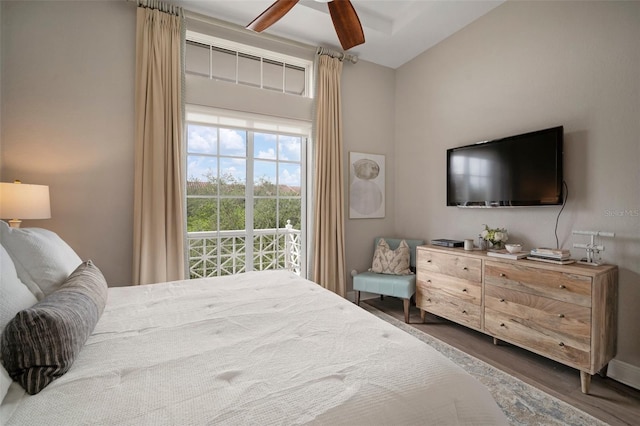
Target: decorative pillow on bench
41, 342
392, 262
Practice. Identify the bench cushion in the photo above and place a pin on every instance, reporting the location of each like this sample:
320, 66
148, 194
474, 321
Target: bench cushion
403, 286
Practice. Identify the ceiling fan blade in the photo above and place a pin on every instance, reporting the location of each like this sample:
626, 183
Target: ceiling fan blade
347, 24
270, 16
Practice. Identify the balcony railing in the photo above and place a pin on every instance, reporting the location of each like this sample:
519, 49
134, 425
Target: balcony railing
213, 254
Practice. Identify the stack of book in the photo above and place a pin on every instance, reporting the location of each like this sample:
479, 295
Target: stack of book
559, 256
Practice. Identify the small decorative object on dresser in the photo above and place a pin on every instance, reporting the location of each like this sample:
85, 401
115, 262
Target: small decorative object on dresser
567, 313
496, 237
513, 248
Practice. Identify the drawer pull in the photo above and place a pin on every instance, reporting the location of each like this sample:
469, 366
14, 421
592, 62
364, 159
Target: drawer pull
562, 286
560, 315
428, 281
562, 344
464, 312
502, 275
502, 300
429, 261
429, 300
464, 290
502, 324
464, 268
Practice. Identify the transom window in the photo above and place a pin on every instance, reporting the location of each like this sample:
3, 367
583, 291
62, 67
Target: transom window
224, 60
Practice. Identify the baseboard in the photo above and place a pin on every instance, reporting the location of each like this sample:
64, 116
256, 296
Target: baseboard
624, 373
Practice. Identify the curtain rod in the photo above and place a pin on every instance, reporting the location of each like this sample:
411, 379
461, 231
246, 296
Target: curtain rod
335, 54
161, 6
234, 27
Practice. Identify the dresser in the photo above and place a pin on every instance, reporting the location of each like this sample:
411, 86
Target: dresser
564, 312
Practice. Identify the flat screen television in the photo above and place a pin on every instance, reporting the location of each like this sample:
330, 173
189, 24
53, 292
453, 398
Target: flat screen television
521, 170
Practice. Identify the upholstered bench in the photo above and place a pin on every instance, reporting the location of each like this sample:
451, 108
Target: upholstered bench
401, 286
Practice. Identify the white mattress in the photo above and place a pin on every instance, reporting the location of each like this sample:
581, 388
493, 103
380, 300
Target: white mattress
254, 349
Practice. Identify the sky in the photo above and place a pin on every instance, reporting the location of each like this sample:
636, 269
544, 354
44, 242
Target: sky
275, 156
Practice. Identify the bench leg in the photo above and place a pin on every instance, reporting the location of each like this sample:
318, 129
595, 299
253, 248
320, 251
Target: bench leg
406, 310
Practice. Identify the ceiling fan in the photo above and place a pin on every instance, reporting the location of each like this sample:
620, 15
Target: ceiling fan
344, 17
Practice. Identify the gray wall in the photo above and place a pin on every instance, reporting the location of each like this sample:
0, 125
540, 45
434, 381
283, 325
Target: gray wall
368, 123
67, 112
527, 66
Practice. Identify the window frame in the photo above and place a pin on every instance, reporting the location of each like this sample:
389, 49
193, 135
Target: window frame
252, 124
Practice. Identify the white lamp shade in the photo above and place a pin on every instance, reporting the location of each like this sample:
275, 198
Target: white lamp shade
24, 201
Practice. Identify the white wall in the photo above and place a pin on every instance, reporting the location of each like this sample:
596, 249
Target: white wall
67, 113
527, 66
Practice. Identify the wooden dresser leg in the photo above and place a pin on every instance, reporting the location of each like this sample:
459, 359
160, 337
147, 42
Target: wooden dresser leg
603, 371
358, 298
422, 314
406, 310
585, 381
495, 341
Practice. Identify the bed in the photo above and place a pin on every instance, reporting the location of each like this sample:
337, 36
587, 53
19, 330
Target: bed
256, 348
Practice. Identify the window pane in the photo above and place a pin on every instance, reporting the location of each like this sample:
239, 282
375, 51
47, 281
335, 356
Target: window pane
264, 213
201, 214
233, 176
264, 181
294, 80
272, 75
202, 139
223, 64
290, 209
290, 147
249, 70
289, 179
264, 145
202, 172
233, 142
195, 187
232, 214
197, 59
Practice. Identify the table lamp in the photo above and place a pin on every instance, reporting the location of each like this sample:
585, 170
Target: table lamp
22, 201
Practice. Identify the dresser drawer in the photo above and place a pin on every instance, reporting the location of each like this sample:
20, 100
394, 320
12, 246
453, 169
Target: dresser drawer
443, 304
547, 342
466, 268
538, 281
566, 320
466, 291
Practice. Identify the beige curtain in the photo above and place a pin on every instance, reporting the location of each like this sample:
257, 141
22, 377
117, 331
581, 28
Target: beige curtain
328, 233
158, 230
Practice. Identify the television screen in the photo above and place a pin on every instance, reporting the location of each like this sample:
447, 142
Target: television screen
521, 170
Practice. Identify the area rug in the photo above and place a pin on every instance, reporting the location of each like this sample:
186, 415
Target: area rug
522, 403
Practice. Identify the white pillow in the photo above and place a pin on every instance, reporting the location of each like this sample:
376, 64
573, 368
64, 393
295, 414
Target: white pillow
5, 382
42, 259
14, 297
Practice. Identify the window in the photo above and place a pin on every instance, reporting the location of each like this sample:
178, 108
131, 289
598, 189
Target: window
224, 60
246, 180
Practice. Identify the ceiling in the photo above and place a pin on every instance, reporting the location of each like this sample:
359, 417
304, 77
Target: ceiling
395, 31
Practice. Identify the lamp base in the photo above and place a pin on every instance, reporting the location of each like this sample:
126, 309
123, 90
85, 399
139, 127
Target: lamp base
15, 223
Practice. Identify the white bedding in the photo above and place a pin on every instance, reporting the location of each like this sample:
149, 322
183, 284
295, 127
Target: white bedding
253, 349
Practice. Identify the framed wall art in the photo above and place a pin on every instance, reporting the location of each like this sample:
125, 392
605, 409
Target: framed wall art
366, 186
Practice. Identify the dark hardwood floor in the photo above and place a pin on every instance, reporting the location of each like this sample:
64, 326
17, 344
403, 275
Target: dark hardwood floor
608, 400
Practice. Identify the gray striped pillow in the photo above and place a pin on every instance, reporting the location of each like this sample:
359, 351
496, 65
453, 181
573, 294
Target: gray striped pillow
40, 343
